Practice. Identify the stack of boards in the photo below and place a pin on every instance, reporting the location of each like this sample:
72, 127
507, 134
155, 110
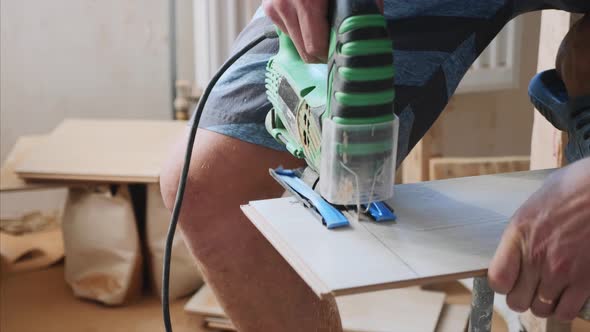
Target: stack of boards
399, 310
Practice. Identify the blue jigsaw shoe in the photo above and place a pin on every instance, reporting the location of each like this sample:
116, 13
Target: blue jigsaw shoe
548, 93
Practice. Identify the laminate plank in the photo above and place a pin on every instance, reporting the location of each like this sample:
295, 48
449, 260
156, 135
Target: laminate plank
446, 230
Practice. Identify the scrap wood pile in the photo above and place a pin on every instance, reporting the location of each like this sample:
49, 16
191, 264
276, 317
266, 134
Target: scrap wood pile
403, 310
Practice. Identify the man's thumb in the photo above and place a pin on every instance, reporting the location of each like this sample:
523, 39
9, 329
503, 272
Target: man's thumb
505, 266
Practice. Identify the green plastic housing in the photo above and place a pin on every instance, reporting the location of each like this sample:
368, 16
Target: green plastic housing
339, 116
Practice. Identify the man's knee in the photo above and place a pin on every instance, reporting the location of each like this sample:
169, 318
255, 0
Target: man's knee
199, 189
196, 182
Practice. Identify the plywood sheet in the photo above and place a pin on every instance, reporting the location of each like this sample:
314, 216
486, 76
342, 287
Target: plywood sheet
446, 230
403, 310
103, 150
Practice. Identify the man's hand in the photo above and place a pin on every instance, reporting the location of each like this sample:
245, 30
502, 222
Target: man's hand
306, 22
543, 260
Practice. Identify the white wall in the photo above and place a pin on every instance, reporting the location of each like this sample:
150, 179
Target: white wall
185, 52
82, 58
217, 23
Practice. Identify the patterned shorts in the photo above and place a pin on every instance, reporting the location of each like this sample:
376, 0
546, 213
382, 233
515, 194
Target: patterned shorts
435, 42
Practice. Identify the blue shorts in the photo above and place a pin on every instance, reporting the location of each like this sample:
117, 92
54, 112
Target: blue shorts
435, 42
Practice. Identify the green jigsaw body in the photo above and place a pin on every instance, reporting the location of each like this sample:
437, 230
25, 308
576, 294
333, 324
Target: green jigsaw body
353, 91
304, 85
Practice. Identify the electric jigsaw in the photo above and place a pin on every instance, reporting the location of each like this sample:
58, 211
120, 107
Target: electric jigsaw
339, 116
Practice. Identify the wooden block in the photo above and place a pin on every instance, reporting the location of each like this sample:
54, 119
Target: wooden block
9, 180
130, 151
403, 310
446, 168
446, 230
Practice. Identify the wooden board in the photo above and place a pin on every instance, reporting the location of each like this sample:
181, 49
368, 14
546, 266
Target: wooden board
403, 310
446, 230
447, 168
9, 180
103, 151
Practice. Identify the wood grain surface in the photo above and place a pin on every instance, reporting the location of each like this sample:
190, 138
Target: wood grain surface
446, 230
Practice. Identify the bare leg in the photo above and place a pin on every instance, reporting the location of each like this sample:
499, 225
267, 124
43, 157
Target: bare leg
255, 285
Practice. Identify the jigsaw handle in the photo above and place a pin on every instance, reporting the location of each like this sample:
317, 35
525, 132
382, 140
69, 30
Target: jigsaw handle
360, 65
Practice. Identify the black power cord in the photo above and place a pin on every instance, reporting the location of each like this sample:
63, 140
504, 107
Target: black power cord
269, 33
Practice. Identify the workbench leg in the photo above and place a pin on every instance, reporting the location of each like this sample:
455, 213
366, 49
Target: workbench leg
482, 306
